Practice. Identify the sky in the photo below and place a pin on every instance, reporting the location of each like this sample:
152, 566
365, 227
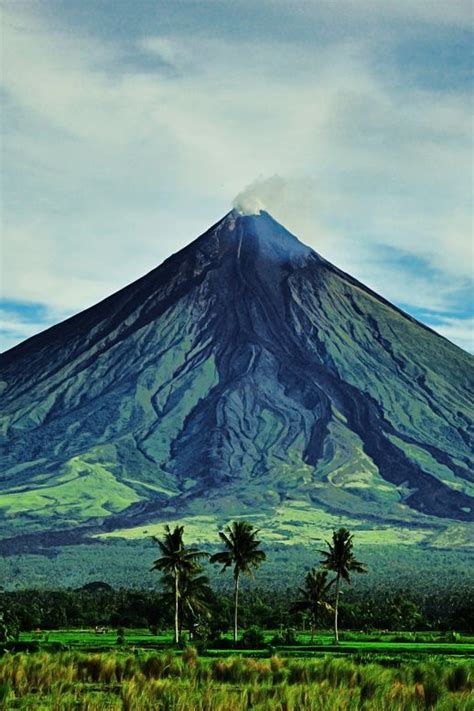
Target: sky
130, 126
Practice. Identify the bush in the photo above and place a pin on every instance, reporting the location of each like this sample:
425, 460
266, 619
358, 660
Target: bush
220, 643
201, 646
253, 638
285, 638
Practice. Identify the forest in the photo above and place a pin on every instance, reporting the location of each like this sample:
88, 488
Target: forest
208, 610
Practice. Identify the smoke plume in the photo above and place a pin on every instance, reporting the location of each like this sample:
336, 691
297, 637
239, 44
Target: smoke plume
262, 194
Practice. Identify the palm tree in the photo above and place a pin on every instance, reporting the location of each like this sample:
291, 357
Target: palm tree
194, 595
341, 560
176, 561
241, 552
313, 597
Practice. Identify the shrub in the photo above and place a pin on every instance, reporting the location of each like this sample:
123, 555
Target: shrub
253, 638
285, 638
220, 643
201, 646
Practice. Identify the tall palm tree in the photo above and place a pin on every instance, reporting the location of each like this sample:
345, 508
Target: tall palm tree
241, 553
313, 597
340, 559
176, 561
194, 595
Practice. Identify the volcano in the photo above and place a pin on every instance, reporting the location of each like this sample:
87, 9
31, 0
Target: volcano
245, 376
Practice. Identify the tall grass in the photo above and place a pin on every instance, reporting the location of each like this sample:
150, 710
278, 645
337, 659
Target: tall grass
164, 682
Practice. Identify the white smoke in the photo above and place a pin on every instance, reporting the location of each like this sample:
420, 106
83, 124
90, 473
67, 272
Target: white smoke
303, 204
262, 194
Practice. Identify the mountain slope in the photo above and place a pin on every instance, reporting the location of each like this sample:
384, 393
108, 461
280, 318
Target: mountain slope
245, 375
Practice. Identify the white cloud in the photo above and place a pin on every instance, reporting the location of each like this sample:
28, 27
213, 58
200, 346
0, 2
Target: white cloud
110, 168
16, 327
457, 330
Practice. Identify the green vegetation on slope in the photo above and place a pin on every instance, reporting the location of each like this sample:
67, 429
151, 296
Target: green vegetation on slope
245, 375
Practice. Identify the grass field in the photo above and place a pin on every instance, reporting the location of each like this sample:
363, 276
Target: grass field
148, 681
387, 643
78, 669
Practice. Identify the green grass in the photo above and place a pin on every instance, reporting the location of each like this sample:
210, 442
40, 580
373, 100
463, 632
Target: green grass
125, 681
83, 488
387, 644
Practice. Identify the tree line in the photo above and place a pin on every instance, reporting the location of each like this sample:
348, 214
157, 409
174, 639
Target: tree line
188, 601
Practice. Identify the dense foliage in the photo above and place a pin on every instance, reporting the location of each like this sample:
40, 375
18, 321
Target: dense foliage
101, 605
397, 566
187, 599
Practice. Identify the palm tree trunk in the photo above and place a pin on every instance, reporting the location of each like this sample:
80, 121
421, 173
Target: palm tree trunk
176, 607
236, 606
336, 610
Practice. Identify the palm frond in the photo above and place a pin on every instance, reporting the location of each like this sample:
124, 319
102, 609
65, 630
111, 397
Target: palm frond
241, 548
339, 557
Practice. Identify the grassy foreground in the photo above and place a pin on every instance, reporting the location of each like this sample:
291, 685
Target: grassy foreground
143, 681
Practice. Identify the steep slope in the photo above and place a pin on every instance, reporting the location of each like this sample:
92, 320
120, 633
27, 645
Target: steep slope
244, 375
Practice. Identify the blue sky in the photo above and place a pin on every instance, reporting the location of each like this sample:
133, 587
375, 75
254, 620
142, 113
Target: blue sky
129, 127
